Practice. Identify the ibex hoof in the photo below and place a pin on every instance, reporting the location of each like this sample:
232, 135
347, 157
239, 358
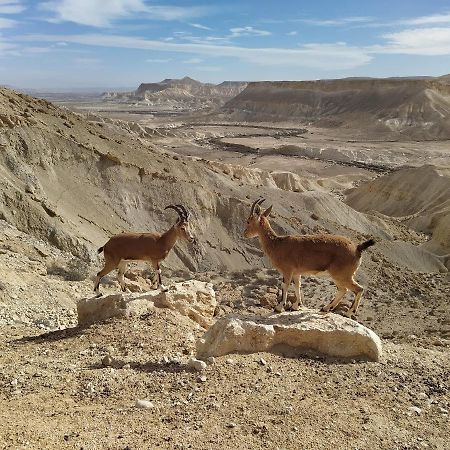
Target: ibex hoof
164, 288
279, 308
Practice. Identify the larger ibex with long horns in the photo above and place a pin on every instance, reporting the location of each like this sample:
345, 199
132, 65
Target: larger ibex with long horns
294, 256
150, 247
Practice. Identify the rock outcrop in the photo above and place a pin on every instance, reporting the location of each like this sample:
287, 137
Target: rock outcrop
300, 332
194, 299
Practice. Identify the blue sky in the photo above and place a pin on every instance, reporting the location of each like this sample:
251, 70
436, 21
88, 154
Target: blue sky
60, 44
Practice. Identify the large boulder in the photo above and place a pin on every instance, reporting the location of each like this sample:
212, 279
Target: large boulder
299, 332
194, 299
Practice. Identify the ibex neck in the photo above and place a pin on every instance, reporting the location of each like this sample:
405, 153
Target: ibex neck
169, 238
266, 235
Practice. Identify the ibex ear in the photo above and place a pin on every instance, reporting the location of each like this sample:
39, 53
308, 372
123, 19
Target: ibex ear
257, 210
267, 211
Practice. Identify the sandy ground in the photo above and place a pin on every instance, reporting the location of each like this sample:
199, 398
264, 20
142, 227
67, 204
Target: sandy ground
55, 393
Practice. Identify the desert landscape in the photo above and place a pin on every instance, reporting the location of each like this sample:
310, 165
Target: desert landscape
74, 172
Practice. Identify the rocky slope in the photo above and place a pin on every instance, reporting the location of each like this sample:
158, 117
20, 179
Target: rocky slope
418, 197
393, 107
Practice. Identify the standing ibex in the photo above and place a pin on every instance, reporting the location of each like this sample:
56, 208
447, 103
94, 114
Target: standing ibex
150, 247
294, 256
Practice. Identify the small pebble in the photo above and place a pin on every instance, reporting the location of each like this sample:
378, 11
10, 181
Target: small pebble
107, 360
202, 379
263, 362
414, 410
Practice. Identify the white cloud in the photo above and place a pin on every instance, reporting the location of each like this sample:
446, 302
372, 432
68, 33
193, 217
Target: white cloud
209, 68
11, 7
7, 23
158, 60
36, 50
427, 20
176, 12
192, 61
87, 61
292, 33
248, 31
200, 26
337, 56
336, 22
417, 41
92, 12
7, 48
98, 13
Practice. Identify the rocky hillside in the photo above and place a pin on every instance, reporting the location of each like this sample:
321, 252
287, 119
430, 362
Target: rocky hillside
73, 183
409, 107
419, 197
184, 93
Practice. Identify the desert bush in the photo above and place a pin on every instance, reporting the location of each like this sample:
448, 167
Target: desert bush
73, 270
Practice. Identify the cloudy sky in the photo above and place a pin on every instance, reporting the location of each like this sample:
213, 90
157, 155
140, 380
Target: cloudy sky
60, 44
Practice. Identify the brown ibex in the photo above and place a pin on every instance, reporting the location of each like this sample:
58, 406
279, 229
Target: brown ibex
150, 247
294, 256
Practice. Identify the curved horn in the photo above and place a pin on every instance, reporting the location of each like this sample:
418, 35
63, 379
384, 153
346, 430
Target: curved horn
185, 212
177, 209
258, 202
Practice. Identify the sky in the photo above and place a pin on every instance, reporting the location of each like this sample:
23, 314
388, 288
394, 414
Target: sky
107, 44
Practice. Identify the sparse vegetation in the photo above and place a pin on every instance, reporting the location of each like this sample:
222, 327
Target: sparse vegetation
73, 270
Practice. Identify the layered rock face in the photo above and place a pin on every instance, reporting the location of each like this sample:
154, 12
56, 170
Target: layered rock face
295, 333
413, 107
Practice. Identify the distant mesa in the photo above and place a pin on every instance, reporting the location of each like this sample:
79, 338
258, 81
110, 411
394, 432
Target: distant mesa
416, 108
183, 93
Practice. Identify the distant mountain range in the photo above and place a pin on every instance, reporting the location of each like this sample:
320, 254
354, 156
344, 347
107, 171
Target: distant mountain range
180, 94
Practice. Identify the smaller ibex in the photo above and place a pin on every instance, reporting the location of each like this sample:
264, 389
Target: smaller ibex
150, 247
294, 256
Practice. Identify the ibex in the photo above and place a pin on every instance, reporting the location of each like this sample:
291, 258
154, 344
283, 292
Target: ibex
150, 247
294, 256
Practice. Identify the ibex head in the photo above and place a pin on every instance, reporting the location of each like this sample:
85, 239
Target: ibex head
182, 226
256, 218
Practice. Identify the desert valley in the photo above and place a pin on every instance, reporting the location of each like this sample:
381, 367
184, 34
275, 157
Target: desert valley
365, 158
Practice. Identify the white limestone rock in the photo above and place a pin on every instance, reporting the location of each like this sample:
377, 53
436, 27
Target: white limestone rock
144, 404
298, 332
196, 364
194, 299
